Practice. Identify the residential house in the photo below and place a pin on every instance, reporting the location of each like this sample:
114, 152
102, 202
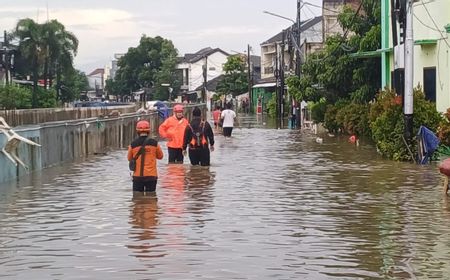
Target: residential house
199, 68
310, 41
330, 12
431, 30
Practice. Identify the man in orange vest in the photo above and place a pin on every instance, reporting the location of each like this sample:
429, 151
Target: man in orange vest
173, 129
142, 154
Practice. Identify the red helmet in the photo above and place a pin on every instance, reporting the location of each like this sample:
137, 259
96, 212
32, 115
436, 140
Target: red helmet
178, 108
143, 126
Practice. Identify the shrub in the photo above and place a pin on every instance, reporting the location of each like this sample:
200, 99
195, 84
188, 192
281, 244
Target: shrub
15, 97
387, 123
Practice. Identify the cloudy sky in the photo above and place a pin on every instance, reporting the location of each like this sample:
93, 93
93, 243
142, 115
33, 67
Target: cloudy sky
105, 27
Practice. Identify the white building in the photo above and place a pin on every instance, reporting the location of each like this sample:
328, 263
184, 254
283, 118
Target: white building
199, 68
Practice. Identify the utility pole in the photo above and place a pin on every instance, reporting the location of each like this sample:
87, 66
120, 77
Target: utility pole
281, 92
409, 73
277, 83
205, 79
298, 61
250, 79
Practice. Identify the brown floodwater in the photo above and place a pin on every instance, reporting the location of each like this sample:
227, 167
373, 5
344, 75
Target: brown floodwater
274, 204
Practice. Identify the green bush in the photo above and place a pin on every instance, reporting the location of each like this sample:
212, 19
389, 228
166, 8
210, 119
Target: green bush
318, 110
46, 98
330, 122
15, 97
353, 118
387, 123
443, 131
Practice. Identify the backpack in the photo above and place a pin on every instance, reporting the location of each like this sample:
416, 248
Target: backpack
198, 136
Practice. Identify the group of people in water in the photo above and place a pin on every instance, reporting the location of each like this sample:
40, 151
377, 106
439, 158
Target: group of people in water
195, 137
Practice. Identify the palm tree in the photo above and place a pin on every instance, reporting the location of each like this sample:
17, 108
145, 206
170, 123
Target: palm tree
62, 47
31, 48
49, 46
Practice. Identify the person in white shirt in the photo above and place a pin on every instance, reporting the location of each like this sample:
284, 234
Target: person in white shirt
228, 117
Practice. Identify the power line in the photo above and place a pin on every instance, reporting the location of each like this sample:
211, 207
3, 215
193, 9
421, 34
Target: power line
344, 36
317, 6
435, 25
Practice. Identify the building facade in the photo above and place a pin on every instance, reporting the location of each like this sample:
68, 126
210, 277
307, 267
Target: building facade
310, 41
197, 69
431, 30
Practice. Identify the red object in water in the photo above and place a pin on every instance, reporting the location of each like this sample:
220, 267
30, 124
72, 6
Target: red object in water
352, 139
444, 167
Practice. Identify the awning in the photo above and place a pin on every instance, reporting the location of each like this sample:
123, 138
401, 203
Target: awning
370, 53
426, 42
264, 85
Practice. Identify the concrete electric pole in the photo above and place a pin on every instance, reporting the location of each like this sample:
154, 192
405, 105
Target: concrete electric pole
409, 72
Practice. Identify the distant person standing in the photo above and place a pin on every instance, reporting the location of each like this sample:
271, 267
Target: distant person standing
228, 117
199, 137
216, 117
142, 154
173, 129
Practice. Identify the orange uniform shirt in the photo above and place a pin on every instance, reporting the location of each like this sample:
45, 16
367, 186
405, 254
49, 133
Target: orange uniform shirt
153, 152
173, 129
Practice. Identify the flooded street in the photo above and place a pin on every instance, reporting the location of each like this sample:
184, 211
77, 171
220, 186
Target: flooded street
274, 204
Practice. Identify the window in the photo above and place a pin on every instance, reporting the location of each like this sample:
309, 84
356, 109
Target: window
212, 68
429, 83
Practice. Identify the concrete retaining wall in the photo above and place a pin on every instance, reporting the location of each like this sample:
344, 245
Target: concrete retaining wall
36, 116
68, 140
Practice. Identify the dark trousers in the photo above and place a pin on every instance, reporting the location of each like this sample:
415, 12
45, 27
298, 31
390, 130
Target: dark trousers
199, 156
227, 131
175, 155
144, 185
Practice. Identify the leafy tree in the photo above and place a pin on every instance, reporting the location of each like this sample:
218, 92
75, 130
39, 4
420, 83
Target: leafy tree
150, 64
332, 73
45, 50
30, 48
72, 84
235, 80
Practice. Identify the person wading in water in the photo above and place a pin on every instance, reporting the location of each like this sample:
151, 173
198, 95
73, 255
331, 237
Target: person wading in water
173, 129
142, 155
199, 137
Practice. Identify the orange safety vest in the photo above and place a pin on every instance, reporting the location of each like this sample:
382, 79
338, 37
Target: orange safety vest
198, 139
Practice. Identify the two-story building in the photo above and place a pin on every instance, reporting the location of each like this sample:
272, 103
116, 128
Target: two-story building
311, 40
431, 30
197, 69
330, 11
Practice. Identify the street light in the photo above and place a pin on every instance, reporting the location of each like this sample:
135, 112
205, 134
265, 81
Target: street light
276, 15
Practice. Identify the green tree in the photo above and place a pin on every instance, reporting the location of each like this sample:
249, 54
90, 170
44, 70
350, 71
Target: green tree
333, 73
72, 84
61, 48
235, 80
150, 64
31, 42
45, 50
